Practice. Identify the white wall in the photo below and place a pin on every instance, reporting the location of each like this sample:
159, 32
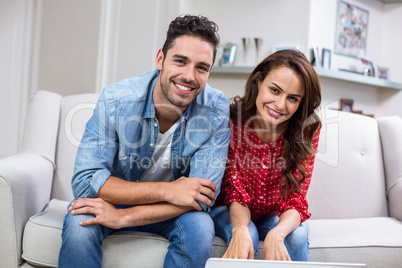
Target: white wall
390, 101
16, 21
69, 37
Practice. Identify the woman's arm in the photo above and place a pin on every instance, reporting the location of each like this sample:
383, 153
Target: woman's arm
241, 244
274, 246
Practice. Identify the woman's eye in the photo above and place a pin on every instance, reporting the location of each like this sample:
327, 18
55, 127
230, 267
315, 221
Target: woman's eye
293, 99
274, 90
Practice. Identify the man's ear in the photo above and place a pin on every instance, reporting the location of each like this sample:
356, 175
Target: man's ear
159, 59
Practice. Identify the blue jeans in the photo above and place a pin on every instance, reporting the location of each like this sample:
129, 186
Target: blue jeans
191, 236
296, 242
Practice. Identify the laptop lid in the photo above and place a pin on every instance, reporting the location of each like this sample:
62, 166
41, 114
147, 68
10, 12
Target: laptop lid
237, 263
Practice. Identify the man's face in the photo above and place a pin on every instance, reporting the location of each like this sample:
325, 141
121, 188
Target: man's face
184, 70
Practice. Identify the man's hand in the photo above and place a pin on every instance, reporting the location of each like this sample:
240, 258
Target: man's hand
274, 247
185, 191
105, 213
241, 245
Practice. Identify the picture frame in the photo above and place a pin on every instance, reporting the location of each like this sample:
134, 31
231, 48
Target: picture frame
346, 105
227, 54
326, 58
351, 30
383, 72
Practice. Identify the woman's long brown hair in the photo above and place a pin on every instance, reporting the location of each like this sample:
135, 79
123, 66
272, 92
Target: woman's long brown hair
297, 142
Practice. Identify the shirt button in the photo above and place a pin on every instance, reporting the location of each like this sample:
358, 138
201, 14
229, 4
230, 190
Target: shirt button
155, 124
262, 183
124, 157
261, 197
152, 145
264, 166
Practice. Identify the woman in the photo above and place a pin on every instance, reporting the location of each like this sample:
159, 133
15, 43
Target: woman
274, 137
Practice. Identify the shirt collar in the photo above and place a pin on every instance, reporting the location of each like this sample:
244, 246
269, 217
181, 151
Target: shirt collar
150, 106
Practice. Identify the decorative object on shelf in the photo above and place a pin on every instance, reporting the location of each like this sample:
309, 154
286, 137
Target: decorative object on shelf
351, 30
326, 58
246, 42
226, 54
315, 57
346, 105
383, 72
257, 42
368, 68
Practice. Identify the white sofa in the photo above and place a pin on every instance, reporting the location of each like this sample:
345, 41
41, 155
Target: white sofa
355, 196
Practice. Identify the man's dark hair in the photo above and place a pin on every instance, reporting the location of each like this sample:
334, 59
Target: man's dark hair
197, 26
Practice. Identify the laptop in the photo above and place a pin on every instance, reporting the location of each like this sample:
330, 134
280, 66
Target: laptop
237, 263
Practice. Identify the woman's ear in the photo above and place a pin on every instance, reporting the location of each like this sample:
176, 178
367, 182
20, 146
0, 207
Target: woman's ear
159, 59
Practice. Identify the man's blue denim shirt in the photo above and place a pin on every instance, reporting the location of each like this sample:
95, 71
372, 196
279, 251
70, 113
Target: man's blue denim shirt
120, 137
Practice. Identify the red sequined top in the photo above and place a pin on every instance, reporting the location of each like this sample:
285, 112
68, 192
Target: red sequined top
254, 170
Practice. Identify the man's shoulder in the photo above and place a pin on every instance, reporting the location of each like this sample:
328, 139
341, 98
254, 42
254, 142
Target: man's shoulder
131, 89
213, 99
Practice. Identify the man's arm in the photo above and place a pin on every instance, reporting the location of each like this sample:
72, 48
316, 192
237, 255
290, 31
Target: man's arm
108, 215
181, 192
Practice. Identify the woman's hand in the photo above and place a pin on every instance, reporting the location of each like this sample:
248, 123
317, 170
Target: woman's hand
274, 247
241, 245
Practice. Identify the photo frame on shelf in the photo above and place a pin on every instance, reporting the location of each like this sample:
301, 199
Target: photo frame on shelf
227, 54
351, 30
383, 72
346, 105
326, 58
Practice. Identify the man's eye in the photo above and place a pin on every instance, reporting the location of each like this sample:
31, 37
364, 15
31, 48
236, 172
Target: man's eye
202, 68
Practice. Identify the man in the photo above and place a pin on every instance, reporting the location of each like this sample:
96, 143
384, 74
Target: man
153, 155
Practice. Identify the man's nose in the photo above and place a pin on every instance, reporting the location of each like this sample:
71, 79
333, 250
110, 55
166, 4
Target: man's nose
189, 73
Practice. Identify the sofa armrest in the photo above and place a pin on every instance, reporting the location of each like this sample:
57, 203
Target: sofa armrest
25, 187
391, 133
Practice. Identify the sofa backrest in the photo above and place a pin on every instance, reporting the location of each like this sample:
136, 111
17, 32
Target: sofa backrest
75, 112
348, 178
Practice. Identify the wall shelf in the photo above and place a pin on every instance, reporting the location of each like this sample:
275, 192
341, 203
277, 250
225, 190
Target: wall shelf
322, 72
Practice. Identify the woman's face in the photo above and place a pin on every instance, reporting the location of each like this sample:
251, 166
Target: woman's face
279, 96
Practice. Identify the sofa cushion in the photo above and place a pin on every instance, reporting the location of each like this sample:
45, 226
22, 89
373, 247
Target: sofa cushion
348, 178
75, 112
42, 242
376, 242
391, 133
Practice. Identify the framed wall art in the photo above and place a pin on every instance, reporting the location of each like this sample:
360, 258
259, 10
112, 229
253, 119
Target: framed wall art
351, 30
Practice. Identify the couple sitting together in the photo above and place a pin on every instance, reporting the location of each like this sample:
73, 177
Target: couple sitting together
165, 153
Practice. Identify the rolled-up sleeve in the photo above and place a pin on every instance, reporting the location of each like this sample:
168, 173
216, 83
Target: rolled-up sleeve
209, 160
97, 150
